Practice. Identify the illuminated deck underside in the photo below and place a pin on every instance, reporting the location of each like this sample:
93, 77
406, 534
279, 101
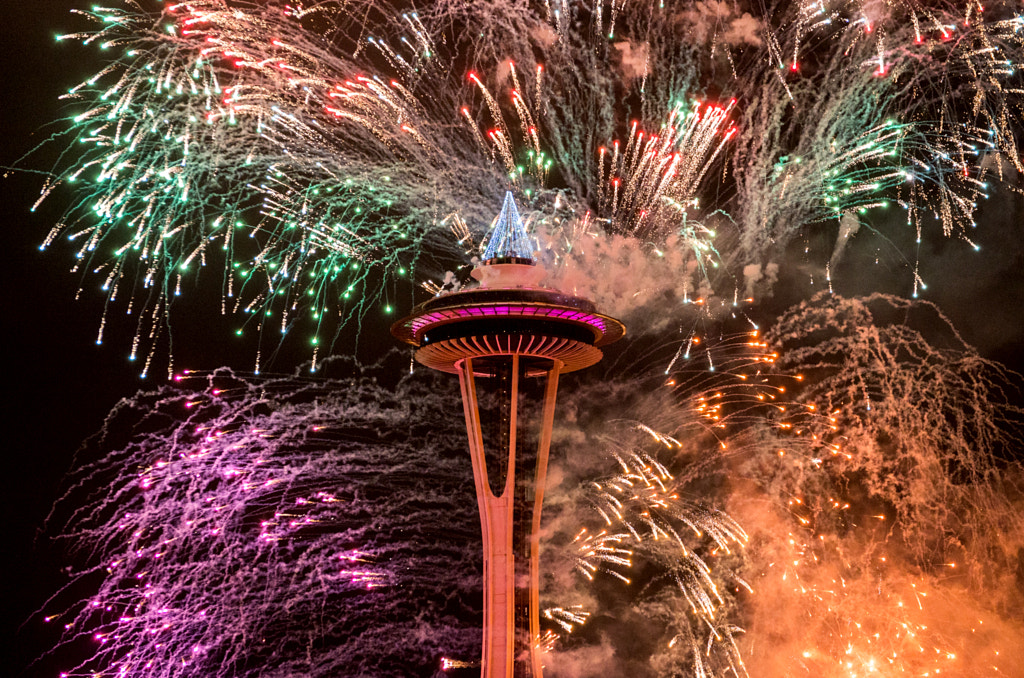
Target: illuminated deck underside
447, 355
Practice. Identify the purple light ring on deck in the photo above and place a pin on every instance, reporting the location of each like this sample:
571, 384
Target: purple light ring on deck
443, 316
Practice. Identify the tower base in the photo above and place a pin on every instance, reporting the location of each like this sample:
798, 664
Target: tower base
511, 644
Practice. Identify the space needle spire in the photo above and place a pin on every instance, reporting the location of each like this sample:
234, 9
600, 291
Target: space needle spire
509, 238
514, 335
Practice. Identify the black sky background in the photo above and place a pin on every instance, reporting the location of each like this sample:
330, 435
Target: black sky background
59, 384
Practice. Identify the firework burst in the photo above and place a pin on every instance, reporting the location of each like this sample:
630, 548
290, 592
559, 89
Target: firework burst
326, 158
321, 155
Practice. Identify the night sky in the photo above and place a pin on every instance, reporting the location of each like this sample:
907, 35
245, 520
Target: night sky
63, 384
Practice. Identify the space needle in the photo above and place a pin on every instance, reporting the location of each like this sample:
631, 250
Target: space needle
513, 335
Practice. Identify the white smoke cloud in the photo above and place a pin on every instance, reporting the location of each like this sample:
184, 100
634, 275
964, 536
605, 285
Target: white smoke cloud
635, 59
744, 29
544, 34
757, 281
626, 279
720, 20
584, 662
848, 227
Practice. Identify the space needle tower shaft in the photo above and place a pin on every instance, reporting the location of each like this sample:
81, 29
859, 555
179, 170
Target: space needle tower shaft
514, 335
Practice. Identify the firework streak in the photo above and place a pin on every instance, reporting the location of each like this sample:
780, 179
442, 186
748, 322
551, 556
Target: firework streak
870, 508
836, 499
320, 154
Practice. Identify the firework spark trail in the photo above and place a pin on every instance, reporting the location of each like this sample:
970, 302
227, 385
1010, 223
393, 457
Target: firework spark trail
315, 150
894, 537
889, 136
871, 367
645, 500
321, 153
643, 524
291, 484
238, 510
241, 131
268, 527
876, 482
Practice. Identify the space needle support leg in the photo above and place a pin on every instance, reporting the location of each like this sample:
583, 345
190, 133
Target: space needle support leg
543, 447
496, 525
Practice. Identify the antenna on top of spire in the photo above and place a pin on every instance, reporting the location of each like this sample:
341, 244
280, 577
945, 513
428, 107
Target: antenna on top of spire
509, 240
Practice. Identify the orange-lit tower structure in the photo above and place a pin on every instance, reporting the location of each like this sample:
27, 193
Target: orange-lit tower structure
511, 332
